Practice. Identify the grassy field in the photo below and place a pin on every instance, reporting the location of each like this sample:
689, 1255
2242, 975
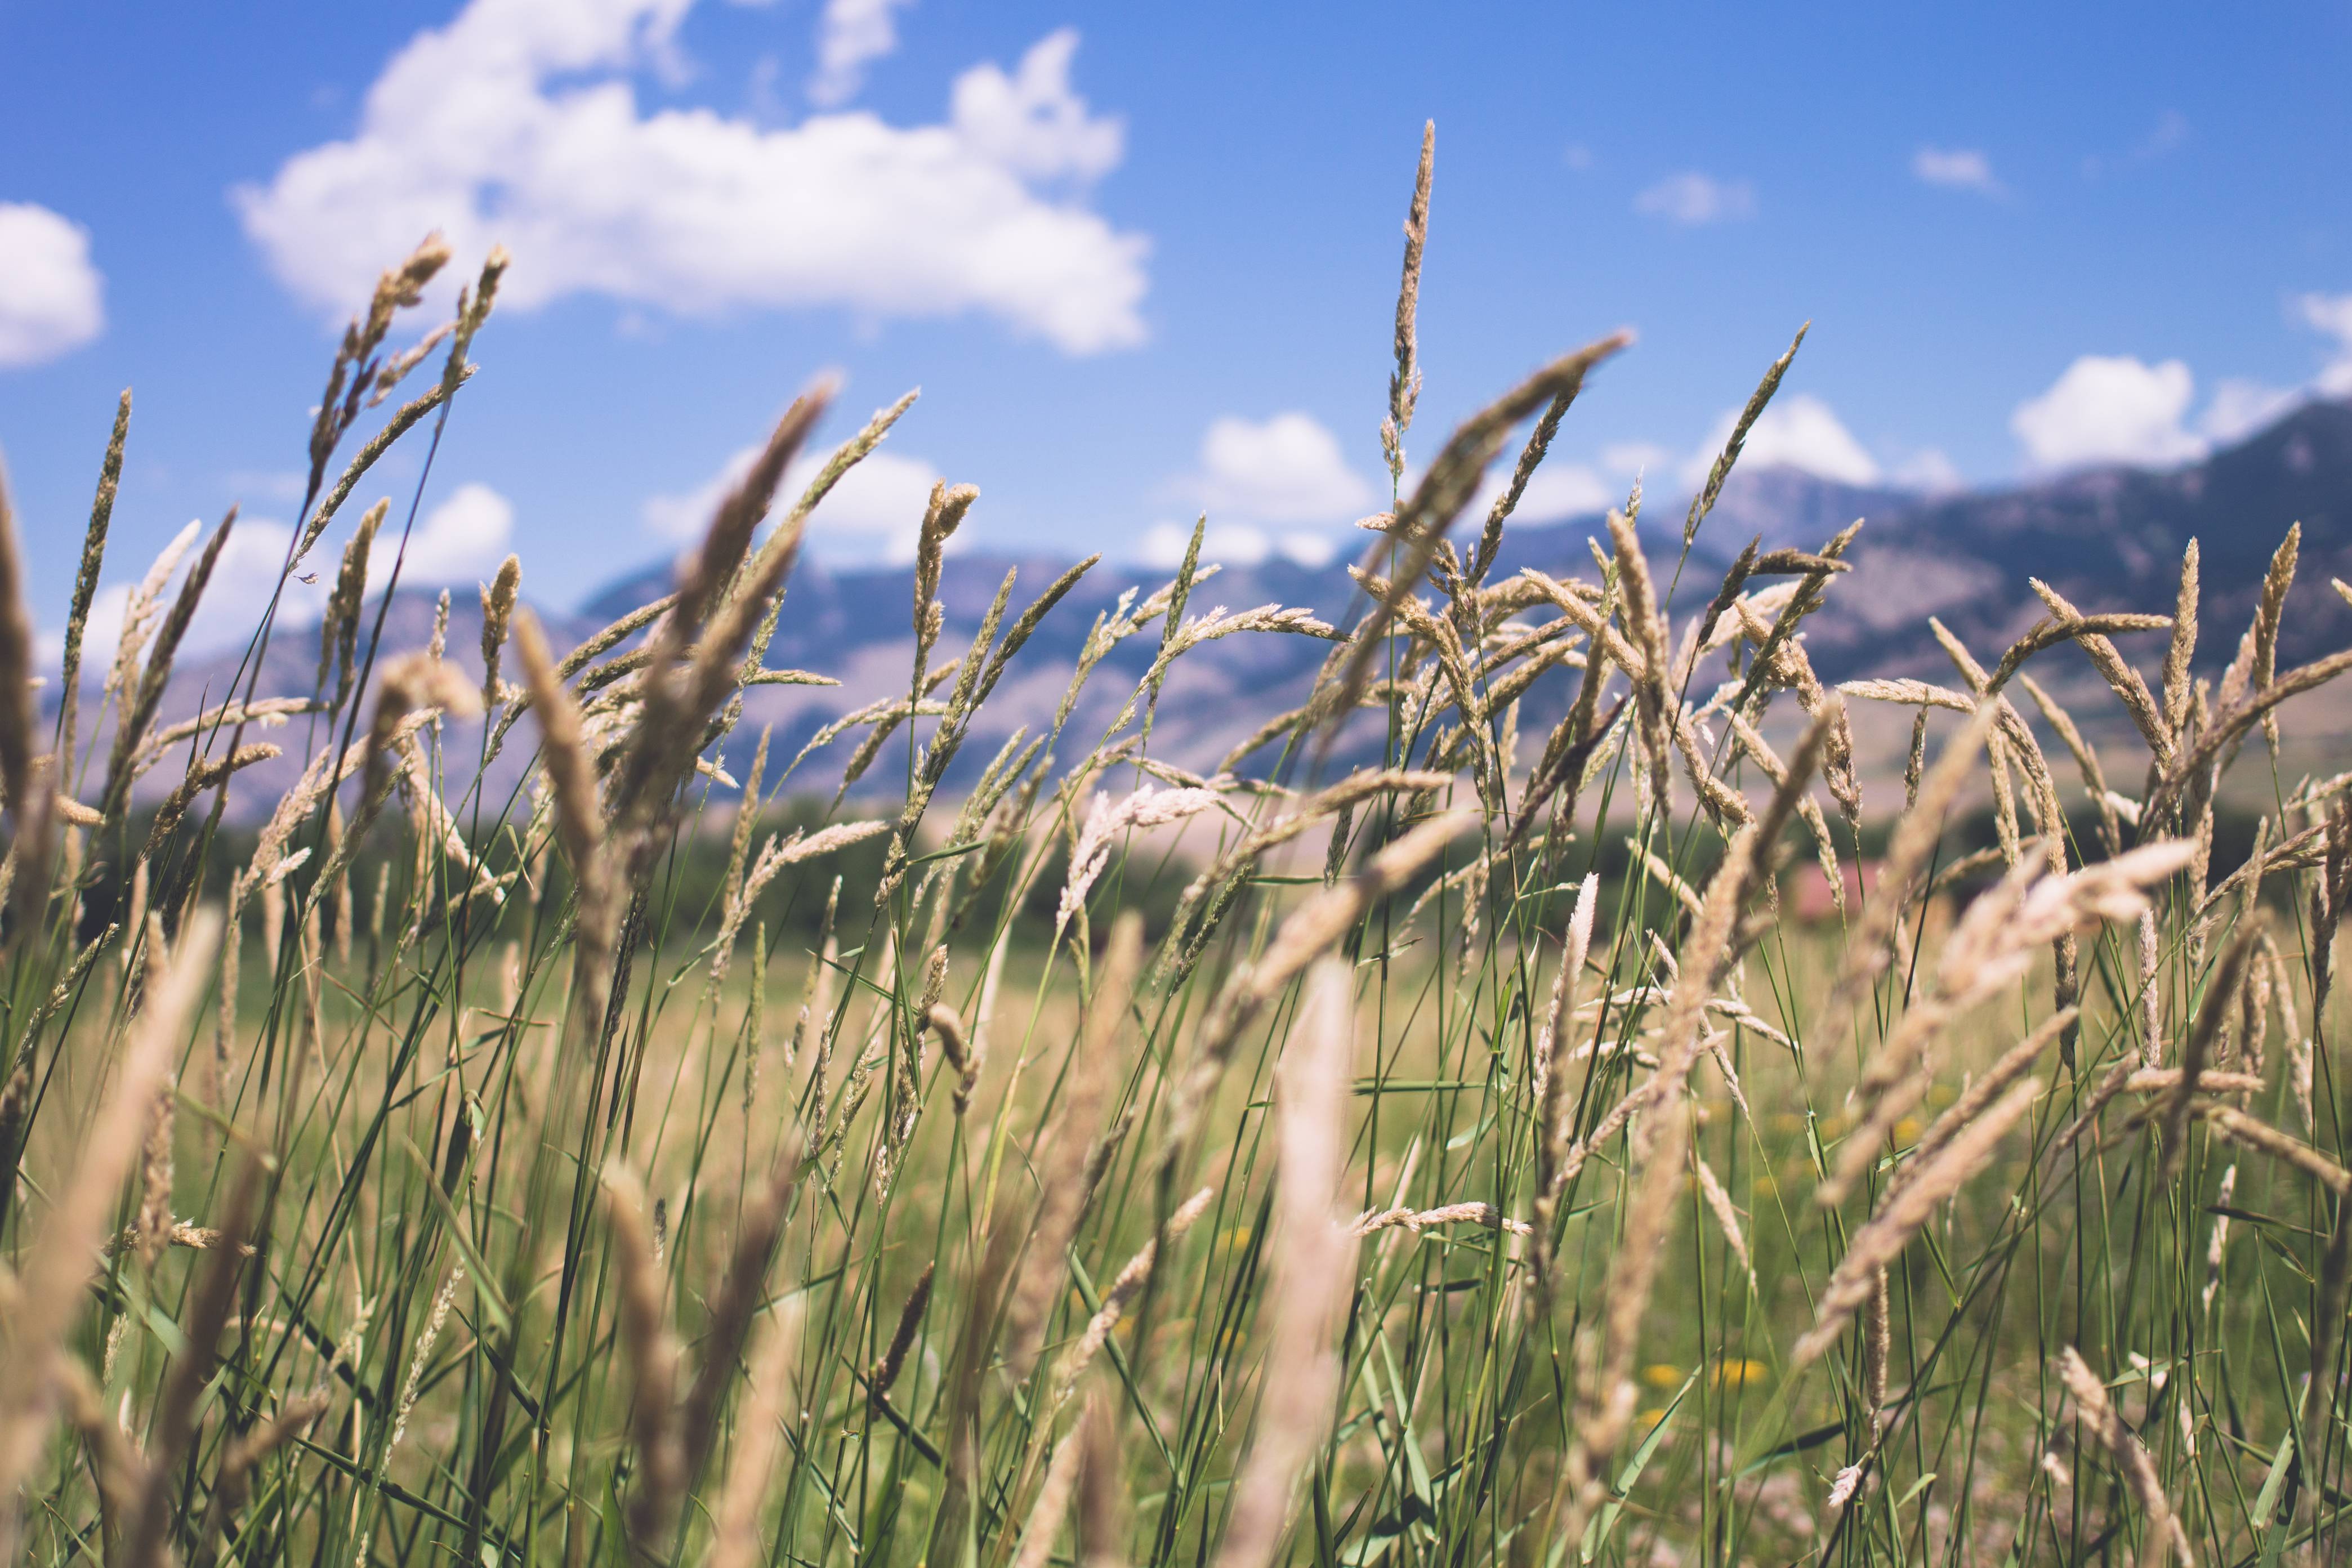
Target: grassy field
1464, 1156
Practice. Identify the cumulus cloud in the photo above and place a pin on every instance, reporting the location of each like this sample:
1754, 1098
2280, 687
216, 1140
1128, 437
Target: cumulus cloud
1956, 168
873, 513
52, 300
1163, 544
1799, 430
1031, 122
2239, 407
1556, 492
1929, 470
852, 35
1692, 199
1631, 457
2332, 314
2110, 409
1287, 469
459, 541
235, 597
518, 122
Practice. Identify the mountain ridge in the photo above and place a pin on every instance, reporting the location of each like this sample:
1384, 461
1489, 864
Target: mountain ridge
2108, 538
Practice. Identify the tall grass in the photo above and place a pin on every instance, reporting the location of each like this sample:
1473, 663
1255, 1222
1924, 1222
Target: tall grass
1471, 1161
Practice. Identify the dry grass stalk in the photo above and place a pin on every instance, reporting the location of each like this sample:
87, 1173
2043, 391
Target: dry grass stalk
2268, 612
154, 1227
497, 613
138, 714
1146, 807
2230, 725
1423, 518
1323, 919
49, 1291
1554, 1048
1719, 1203
1868, 948
1983, 1093
234, 1481
2165, 1535
1663, 1133
885, 1374
1404, 381
1645, 626
422, 1356
1102, 1495
1704, 502
1066, 1147
1415, 1220
1124, 1287
1051, 1506
770, 1402
17, 739
1880, 1242
2121, 678
651, 1354
2213, 1015
1991, 949
2183, 646
171, 1433
2251, 1132
742, 1291
1311, 1252
1539, 443
201, 776
85, 589
1877, 1353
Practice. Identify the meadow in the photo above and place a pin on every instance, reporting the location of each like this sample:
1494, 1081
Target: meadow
1423, 1139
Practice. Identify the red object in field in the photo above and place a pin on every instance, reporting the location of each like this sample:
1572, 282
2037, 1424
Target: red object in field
1808, 895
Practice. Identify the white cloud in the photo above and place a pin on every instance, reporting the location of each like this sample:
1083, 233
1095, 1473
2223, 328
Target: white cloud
2170, 133
1032, 123
1287, 470
2332, 314
2239, 407
1691, 198
52, 300
1929, 470
518, 122
1163, 544
1557, 491
238, 591
1631, 457
1306, 549
236, 596
873, 513
1799, 430
459, 541
2110, 409
1957, 168
852, 35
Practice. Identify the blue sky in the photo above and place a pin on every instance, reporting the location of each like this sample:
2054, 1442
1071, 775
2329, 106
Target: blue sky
1142, 259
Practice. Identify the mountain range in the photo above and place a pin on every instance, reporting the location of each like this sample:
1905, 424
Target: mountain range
2108, 538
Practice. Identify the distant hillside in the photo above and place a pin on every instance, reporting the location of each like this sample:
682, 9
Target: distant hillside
2111, 539
2108, 538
